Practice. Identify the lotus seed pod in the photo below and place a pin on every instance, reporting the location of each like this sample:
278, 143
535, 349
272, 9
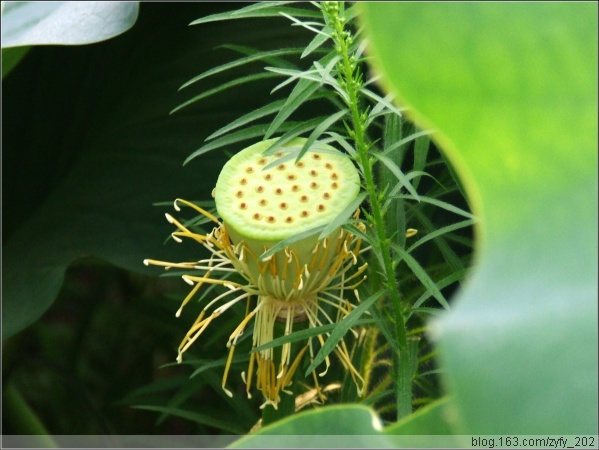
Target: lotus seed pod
263, 200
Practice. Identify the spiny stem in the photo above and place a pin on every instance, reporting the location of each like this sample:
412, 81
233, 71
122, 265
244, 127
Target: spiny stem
351, 80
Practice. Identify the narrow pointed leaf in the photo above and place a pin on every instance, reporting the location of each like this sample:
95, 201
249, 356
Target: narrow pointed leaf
224, 87
342, 327
293, 132
261, 9
440, 204
300, 94
379, 99
343, 216
286, 242
304, 335
318, 131
318, 40
260, 56
232, 138
421, 274
441, 231
405, 140
399, 174
271, 108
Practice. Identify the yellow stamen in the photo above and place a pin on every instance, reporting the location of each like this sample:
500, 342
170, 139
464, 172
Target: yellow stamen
226, 374
248, 384
197, 208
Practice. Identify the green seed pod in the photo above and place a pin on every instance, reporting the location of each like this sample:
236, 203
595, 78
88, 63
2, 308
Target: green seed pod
263, 200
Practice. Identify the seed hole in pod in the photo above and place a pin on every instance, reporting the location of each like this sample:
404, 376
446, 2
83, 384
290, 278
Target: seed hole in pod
304, 213
326, 196
268, 177
313, 173
271, 219
314, 185
328, 165
259, 189
334, 176
239, 194
243, 181
334, 185
256, 216
289, 219
281, 167
300, 164
295, 188
321, 207
263, 202
279, 191
315, 156
283, 205
304, 198
243, 205
291, 177
262, 161
249, 170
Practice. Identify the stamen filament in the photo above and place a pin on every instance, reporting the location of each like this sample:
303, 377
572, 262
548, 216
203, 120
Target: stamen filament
197, 208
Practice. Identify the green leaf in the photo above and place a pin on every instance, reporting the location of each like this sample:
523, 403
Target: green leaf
318, 40
455, 276
293, 132
512, 90
399, 174
384, 101
440, 232
262, 9
319, 130
429, 427
286, 242
310, 75
258, 56
64, 23
302, 91
450, 256
421, 274
410, 138
307, 25
342, 327
272, 60
232, 138
303, 335
440, 204
224, 87
271, 108
343, 143
347, 212
355, 426
421, 147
